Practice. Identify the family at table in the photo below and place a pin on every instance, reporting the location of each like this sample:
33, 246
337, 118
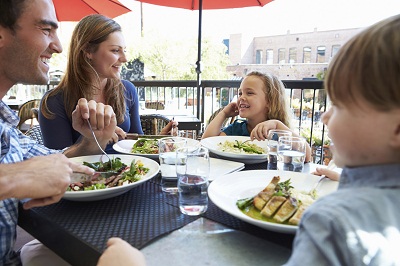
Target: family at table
362, 81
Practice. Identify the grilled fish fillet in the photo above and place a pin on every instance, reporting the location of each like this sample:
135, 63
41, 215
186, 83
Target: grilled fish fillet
266, 194
286, 210
273, 204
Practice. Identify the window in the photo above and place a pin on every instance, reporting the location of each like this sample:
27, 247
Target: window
281, 56
307, 55
292, 55
321, 54
259, 57
335, 49
270, 57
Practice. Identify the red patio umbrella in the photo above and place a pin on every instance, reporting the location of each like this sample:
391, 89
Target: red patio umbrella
200, 5
75, 10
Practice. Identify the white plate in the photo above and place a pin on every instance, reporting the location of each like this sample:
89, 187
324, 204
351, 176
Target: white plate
211, 144
125, 146
92, 195
220, 167
227, 189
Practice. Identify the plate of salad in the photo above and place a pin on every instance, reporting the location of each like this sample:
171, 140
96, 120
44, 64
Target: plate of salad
237, 148
127, 172
143, 147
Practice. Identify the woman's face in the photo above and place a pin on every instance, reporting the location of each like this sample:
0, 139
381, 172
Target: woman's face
110, 56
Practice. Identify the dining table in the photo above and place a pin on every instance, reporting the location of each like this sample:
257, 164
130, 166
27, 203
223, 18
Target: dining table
150, 220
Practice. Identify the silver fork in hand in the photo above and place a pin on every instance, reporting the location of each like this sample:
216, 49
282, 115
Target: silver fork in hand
98, 144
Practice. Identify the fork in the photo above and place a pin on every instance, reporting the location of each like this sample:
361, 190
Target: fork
94, 136
330, 166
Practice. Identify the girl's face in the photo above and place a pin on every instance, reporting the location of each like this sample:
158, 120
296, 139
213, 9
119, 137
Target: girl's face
251, 102
360, 134
109, 57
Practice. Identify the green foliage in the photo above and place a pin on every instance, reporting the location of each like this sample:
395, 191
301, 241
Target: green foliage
176, 59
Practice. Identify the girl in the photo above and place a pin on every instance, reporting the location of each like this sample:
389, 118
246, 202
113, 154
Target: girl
262, 102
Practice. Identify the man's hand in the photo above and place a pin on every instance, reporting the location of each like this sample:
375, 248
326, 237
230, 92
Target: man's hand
42, 179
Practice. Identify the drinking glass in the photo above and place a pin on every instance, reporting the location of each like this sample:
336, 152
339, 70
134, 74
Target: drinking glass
193, 169
291, 153
273, 137
167, 155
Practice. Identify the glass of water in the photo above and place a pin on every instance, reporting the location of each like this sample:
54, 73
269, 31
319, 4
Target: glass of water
193, 169
291, 153
273, 137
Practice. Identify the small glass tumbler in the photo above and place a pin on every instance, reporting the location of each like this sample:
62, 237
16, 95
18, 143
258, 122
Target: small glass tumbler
291, 153
193, 169
273, 137
167, 148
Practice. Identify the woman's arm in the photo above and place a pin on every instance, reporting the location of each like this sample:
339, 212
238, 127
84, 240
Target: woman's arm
132, 102
57, 132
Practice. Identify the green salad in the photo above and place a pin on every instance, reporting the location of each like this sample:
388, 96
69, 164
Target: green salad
145, 146
118, 174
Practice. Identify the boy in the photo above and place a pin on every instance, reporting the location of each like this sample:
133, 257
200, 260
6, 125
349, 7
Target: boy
360, 223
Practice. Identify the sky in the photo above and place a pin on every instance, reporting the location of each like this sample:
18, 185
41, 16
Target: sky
275, 18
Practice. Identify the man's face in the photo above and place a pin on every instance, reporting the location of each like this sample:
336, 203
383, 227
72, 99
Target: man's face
25, 54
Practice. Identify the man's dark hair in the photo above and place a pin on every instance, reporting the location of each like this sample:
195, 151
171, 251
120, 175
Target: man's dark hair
10, 11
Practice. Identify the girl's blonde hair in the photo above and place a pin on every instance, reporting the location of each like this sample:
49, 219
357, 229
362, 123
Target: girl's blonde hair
80, 80
275, 96
367, 67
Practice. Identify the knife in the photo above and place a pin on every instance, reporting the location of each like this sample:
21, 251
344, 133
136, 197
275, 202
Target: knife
82, 177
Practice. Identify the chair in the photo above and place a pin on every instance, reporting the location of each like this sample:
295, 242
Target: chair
155, 105
153, 124
35, 133
25, 112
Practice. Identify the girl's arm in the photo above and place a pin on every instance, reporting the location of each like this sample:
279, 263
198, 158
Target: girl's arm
214, 127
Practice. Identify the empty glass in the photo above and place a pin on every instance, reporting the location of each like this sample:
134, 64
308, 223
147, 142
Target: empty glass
167, 148
291, 153
273, 137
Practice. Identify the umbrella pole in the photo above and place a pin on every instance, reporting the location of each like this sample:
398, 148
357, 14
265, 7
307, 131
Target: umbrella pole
201, 96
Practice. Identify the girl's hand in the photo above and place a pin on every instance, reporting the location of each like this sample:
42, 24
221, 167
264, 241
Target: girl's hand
260, 132
333, 175
231, 110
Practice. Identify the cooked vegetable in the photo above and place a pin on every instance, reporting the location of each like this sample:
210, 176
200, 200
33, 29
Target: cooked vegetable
240, 147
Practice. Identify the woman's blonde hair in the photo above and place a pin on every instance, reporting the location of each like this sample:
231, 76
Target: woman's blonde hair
78, 80
275, 96
368, 67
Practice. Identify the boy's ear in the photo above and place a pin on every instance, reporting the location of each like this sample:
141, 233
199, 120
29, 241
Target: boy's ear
396, 136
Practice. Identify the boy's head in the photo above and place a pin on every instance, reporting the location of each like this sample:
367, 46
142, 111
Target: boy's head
368, 67
363, 82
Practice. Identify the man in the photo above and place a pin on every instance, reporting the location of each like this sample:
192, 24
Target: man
28, 39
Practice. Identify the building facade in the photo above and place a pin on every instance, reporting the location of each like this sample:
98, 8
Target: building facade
290, 56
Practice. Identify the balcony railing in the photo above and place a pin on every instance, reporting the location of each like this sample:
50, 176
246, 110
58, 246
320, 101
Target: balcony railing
307, 99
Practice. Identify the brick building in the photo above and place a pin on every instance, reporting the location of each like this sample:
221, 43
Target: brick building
289, 56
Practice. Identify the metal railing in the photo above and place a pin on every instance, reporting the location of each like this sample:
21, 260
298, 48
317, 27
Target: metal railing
307, 99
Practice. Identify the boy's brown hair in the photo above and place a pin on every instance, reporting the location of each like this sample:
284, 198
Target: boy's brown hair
368, 67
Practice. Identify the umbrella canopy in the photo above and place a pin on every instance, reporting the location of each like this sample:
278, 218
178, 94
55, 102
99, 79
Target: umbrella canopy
75, 10
200, 5
207, 4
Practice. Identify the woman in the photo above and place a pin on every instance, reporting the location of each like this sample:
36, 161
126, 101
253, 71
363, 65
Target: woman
96, 55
